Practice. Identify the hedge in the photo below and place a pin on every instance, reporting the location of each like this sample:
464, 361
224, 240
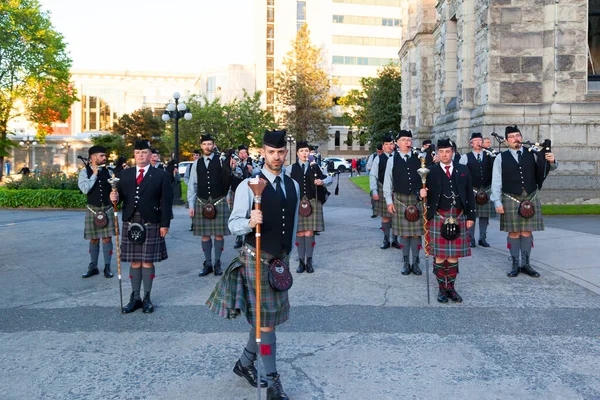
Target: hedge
30, 198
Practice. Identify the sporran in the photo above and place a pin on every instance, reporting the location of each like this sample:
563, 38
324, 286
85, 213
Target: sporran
136, 233
280, 278
305, 209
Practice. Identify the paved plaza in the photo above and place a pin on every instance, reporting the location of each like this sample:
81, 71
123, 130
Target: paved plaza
358, 329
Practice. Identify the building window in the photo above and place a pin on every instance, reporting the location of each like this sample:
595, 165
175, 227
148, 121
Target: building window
338, 19
270, 32
372, 61
337, 139
270, 3
594, 41
270, 97
270, 80
270, 47
362, 139
301, 11
270, 64
270, 15
350, 139
211, 84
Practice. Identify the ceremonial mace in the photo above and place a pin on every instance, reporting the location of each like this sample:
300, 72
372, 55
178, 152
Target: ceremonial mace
257, 185
423, 171
114, 182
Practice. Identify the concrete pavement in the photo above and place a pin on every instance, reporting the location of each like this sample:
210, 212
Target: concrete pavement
358, 329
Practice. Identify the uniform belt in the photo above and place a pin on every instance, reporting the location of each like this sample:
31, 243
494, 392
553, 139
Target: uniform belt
213, 203
96, 212
247, 249
519, 201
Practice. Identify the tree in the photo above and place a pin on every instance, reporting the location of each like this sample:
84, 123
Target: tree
377, 106
114, 144
141, 124
34, 70
303, 91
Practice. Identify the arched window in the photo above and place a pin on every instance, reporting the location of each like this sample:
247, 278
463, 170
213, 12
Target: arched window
337, 138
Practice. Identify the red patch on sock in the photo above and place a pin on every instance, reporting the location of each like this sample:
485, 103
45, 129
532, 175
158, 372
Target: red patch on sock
152, 276
222, 249
508, 245
401, 246
265, 349
111, 252
130, 277
532, 244
297, 244
313, 244
419, 247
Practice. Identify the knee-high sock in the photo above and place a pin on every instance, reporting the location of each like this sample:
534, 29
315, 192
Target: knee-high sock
207, 249
135, 274
107, 249
472, 230
451, 273
301, 247
387, 226
514, 246
219, 244
440, 274
483, 225
405, 244
268, 352
249, 354
310, 245
94, 252
148, 277
526, 245
415, 244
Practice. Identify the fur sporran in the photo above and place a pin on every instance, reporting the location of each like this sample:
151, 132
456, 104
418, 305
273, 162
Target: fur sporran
209, 211
136, 233
526, 209
100, 219
481, 197
305, 208
450, 228
280, 278
411, 213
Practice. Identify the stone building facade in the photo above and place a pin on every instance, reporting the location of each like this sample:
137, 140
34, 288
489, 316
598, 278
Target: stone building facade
479, 65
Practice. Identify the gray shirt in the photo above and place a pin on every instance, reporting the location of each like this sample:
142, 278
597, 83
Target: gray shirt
240, 215
374, 173
86, 184
193, 179
464, 160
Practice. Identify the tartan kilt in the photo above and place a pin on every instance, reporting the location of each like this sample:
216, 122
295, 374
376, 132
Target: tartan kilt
315, 221
154, 248
440, 247
511, 221
91, 231
380, 205
235, 293
400, 225
211, 227
487, 210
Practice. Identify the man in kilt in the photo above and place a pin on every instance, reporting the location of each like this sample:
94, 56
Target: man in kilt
186, 178
376, 177
312, 182
370, 160
480, 166
99, 216
449, 197
401, 187
247, 170
209, 183
235, 293
147, 197
517, 177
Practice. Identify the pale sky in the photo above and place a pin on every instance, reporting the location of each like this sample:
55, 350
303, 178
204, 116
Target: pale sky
152, 35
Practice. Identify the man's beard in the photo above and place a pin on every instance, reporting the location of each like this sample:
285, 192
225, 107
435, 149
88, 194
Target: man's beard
272, 167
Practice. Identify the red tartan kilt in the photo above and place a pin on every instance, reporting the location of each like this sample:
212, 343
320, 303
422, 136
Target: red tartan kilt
440, 247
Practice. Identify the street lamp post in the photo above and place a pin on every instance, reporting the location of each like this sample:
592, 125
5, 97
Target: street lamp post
67, 146
27, 142
176, 111
290, 140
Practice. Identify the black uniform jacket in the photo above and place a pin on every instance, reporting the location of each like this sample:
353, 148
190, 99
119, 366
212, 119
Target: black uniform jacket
154, 199
463, 182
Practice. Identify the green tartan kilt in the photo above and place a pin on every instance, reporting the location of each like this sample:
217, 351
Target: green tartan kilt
380, 205
400, 225
211, 227
511, 221
91, 231
315, 221
235, 293
487, 210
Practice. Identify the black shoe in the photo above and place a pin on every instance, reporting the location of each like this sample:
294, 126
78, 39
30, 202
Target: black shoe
442, 298
147, 306
301, 267
107, 272
249, 373
386, 243
396, 245
191, 227
526, 269
472, 242
134, 304
238, 242
374, 216
92, 270
217, 268
455, 297
316, 233
406, 267
415, 267
515, 268
309, 266
208, 268
483, 243
275, 391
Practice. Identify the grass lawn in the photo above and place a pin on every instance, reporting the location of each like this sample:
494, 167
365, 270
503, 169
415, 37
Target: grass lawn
183, 191
548, 209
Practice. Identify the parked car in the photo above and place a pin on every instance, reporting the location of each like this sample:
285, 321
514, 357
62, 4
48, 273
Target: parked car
183, 166
340, 164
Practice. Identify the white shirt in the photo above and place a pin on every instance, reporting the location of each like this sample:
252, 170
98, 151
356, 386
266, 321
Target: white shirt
443, 167
137, 170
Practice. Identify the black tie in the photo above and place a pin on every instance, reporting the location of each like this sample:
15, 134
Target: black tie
278, 189
519, 156
478, 157
303, 169
406, 157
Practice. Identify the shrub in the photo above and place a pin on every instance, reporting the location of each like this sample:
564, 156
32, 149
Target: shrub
44, 180
30, 198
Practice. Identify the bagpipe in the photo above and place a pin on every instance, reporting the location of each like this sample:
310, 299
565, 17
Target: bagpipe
490, 151
541, 148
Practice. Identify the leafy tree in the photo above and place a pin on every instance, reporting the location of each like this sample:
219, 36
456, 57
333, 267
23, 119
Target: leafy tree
377, 105
303, 91
114, 144
34, 70
141, 124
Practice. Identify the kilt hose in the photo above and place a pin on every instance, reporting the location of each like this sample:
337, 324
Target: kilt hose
91, 231
315, 221
380, 205
154, 248
445, 274
235, 293
400, 225
443, 248
511, 221
488, 209
211, 227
